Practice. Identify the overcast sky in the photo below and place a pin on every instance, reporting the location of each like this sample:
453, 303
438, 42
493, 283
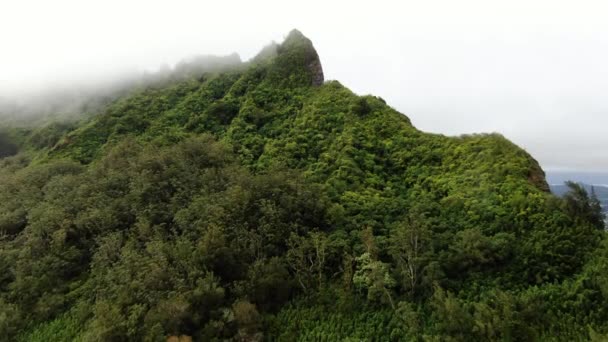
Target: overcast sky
535, 71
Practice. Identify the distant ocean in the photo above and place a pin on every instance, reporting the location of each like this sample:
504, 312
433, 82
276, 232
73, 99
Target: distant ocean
593, 178
556, 180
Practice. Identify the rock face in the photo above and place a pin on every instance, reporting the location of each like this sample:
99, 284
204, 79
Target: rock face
302, 46
536, 176
293, 63
317, 72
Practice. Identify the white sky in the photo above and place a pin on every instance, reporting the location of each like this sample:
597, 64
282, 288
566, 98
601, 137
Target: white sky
535, 71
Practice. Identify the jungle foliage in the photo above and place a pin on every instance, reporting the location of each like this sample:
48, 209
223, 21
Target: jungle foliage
246, 204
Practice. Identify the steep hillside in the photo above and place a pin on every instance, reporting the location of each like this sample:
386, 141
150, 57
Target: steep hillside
256, 201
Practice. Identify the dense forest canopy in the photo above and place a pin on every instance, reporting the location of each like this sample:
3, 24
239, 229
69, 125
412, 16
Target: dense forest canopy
253, 201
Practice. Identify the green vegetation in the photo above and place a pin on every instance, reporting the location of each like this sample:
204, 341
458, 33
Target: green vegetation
598, 193
249, 204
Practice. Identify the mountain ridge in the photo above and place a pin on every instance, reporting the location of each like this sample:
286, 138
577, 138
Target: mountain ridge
297, 63
263, 202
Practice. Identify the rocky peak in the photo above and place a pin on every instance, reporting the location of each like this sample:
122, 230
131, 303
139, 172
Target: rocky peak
294, 62
296, 40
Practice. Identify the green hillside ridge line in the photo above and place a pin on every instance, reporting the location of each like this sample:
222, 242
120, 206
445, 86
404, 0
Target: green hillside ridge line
250, 201
241, 109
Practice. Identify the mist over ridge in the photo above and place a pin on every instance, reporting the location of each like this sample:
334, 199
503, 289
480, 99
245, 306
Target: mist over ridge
73, 100
255, 200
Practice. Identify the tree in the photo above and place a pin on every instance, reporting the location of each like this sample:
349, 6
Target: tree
248, 320
307, 256
373, 277
451, 315
598, 217
582, 207
409, 246
407, 313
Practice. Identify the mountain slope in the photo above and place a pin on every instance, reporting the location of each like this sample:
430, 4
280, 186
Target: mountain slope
240, 203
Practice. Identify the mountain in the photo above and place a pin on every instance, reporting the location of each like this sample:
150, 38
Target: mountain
254, 200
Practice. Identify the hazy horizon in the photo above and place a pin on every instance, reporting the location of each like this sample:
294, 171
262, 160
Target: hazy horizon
532, 71
591, 178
